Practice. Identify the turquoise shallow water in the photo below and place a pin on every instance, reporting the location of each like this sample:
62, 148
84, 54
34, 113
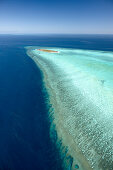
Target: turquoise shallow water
95, 63
80, 85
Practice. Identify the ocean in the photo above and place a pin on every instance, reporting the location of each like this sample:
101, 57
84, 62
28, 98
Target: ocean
24, 125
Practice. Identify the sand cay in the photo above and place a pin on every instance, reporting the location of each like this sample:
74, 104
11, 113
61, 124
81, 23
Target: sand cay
48, 51
80, 88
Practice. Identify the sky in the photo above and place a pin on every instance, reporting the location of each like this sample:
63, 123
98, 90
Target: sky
56, 16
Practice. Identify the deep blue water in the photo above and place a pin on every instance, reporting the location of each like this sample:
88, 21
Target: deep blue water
24, 127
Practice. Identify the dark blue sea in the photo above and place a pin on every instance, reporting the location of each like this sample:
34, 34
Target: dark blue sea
25, 142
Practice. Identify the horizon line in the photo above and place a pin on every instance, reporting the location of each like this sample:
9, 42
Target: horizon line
56, 33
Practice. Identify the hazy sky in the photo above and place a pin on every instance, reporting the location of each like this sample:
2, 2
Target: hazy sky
56, 16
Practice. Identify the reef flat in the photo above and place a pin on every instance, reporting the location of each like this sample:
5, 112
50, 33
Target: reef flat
80, 88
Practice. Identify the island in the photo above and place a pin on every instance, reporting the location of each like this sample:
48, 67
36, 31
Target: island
49, 51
